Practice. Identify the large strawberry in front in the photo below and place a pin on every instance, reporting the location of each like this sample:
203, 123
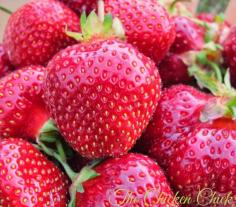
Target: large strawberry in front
22, 110
28, 178
101, 93
147, 25
36, 31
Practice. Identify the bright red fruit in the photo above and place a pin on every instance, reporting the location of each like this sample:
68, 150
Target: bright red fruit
132, 174
189, 35
177, 113
81, 5
189, 38
173, 70
205, 160
22, 110
36, 31
230, 54
102, 94
147, 25
5, 65
28, 178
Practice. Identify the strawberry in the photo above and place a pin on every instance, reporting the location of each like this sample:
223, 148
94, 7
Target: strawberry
173, 70
177, 113
147, 25
101, 92
189, 37
36, 31
81, 5
230, 53
132, 174
194, 134
22, 110
5, 65
28, 178
204, 159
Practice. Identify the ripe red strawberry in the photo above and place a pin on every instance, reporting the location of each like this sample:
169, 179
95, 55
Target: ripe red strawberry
134, 175
22, 110
147, 25
28, 178
81, 5
230, 54
205, 159
101, 93
5, 65
36, 31
189, 37
173, 70
177, 113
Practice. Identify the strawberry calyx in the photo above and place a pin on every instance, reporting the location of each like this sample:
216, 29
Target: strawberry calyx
224, 102
98, 26
49, 135
213, 30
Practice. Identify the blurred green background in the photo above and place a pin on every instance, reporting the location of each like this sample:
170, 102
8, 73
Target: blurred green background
213, 6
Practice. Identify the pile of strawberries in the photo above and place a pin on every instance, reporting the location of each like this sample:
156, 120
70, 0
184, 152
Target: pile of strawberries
110, 103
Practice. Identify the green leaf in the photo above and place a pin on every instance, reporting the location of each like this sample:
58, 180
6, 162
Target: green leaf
227, 80
83, 20
75, 35
107, 24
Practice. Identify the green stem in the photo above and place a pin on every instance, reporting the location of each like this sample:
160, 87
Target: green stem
5, 10
72, 175
86, 173
60, 150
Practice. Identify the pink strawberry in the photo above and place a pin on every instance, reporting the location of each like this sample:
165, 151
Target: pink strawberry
189, 38
5, 65
230, 53
147, 25
22, 110
28, 178
102, 92
177, 113
81, 5
189, 35
36, 31
134, 175
204, 159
